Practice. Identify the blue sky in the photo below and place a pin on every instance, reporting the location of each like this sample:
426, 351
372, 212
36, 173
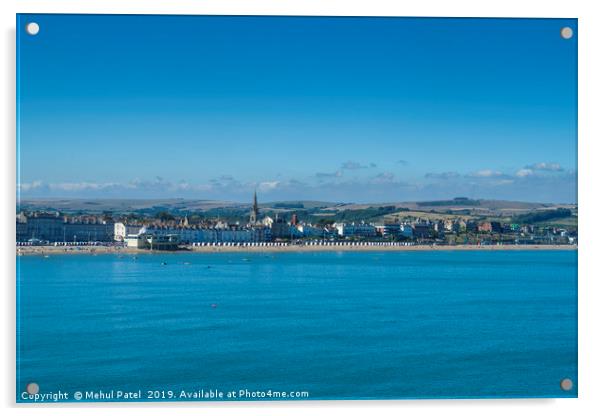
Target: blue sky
337, 109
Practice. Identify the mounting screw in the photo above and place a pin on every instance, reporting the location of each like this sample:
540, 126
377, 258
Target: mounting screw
33, 388
566, 32
32, 28
566, 384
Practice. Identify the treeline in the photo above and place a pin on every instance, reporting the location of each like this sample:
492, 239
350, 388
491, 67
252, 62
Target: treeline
540, 216
288, 205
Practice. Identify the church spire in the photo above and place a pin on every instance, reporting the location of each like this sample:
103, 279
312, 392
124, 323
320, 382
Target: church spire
255, 210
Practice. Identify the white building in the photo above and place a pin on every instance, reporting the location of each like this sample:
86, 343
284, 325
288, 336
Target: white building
407, 230
135, 240
153, 241
123, 230
189, 235
310, 231
355, 230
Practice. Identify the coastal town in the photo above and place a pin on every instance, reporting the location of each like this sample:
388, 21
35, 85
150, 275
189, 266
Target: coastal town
396, 228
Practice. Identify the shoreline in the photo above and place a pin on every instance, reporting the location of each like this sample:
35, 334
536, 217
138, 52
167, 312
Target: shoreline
94, 250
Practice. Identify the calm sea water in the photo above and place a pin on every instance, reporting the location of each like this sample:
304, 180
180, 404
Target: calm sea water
336, 325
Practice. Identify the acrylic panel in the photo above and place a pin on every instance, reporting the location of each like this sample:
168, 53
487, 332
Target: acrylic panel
295, 208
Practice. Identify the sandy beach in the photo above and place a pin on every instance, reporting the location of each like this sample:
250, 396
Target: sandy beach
54, 250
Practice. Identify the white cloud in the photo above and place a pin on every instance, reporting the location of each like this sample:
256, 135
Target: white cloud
268, 186
442, 175
486, 173
81, 186
550, 167
30, 186
522, 173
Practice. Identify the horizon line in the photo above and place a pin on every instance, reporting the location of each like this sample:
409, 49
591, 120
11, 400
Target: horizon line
286, 200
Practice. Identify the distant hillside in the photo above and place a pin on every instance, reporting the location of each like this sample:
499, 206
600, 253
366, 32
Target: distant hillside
543, 216
462, 202
121, 205
340, 211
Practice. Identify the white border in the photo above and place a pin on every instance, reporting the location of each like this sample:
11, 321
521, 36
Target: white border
590, 202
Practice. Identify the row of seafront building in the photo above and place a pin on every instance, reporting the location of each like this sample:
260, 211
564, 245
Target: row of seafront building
165, 236
268, 230
40, 228
54, 227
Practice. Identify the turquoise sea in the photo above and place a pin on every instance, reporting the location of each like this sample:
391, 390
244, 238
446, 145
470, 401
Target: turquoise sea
337, 325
